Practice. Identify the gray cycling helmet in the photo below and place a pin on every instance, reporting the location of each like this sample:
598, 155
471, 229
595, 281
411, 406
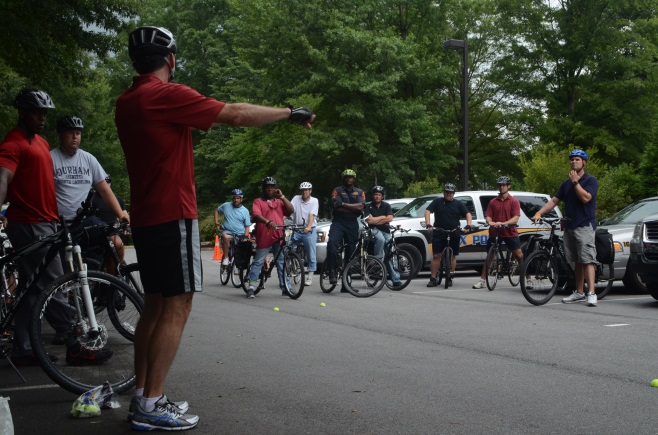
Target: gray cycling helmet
504, 180
150, 41
29, 99
305, 185
268, 181
66, 123
449, 187
378, 189
237, 192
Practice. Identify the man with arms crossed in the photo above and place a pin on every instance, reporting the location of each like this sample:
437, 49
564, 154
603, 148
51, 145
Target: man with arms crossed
154, 118
503, 210
579, 195
378, 216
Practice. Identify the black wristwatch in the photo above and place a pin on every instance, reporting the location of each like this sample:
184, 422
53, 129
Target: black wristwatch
574, 183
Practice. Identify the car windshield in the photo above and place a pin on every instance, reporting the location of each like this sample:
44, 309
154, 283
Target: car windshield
634, 212
415, 208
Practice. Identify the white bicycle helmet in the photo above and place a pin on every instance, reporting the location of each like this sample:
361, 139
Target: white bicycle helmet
305, 185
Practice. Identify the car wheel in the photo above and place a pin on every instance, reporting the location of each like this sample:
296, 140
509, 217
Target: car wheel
632, 280
415, 256
653, 290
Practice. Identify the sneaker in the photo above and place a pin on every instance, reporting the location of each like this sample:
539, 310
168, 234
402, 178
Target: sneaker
449, 282
591, 299
29, 360
480, 284
284, 292
309, 279
250, 292
179, 407
432, 283
333, 278
162, 417
575, 297
76, 355
529, 285
225, 262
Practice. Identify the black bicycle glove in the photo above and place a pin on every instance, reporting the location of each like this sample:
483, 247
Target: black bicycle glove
300, 116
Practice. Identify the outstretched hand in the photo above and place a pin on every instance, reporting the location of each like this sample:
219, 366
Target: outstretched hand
302, 116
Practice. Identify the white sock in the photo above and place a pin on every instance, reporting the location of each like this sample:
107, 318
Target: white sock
139, 392
148, 403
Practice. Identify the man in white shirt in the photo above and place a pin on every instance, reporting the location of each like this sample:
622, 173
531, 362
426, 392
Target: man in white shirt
306, 211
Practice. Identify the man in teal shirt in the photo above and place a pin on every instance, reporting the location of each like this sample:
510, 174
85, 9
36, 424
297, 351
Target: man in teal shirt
236, 221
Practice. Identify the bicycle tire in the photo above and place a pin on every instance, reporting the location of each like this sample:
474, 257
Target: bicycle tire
402, 263
244, 278
235, 276
447, 266
604, 280
325, 285
130, 274
364, 277
224, 273
539, 277
514, 274
492, 268
293, 268
117, 325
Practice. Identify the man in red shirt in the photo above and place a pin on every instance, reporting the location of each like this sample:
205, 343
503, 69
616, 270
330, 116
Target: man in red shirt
503, 210
27, 182
154, 118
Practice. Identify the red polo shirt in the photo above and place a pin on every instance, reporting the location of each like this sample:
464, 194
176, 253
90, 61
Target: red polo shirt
502, 210
31, 193
154, 121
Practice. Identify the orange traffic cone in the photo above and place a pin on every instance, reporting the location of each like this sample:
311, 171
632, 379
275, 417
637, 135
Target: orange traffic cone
217, 255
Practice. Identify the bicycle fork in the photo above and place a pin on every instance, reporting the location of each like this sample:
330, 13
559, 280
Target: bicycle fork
76, 252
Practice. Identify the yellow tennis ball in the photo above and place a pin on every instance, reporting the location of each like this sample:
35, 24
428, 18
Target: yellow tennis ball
322, 304
654, 383
275, 308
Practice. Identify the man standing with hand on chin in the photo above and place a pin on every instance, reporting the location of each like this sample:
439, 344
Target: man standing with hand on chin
579, 195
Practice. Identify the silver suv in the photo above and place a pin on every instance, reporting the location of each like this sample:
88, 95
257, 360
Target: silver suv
417, 243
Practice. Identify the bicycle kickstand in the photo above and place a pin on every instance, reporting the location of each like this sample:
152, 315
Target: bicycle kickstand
5, 354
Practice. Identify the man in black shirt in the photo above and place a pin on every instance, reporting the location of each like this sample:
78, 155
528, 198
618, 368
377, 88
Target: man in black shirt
379, 215
447, 213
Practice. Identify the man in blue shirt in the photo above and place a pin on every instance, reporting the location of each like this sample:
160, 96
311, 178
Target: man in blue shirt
579, 195
236, 221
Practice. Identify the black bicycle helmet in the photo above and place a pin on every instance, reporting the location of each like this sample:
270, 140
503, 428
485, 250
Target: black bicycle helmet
449, 187
150, 41
377, 189
29, 99
504, 180
66, 123
268, 181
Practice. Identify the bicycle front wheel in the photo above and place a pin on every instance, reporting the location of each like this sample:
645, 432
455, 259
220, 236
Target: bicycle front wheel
235, 276
401, 263
224, 273
325, 285
514, 274
539, 278
130, 274
446, 258
294, 274
605, 277
89, 358
493, 266
364, 277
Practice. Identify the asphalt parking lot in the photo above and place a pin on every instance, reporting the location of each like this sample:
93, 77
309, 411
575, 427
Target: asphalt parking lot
420, 361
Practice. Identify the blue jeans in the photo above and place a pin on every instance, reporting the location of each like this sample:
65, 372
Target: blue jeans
380, 241
259, 260
309, 240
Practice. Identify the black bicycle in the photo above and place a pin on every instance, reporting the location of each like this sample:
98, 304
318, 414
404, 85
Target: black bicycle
232, 270
364, 275
73, 299
293, 267
325, 284
397, 261
500, 262
547, 270
445, 272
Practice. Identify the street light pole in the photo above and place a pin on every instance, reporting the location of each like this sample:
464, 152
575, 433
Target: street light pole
455, 44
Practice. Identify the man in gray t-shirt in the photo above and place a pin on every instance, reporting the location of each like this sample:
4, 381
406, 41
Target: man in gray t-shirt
77, 171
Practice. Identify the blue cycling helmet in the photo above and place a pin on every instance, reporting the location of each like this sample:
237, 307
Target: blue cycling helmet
578, 153
237, 192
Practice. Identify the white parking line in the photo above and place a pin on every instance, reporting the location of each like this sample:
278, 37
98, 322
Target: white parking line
440, 291
614, 325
